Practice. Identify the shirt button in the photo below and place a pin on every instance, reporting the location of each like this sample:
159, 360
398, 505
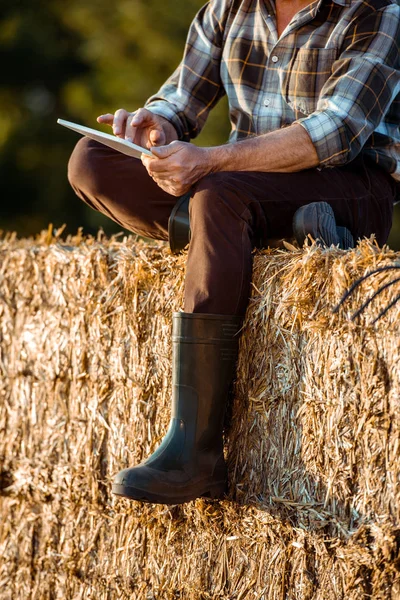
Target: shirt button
267, 101
274, 59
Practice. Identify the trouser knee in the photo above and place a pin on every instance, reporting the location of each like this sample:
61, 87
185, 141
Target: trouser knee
86, 168
217, 199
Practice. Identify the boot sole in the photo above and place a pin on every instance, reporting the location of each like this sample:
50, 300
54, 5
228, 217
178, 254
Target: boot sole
318, 220
212, 491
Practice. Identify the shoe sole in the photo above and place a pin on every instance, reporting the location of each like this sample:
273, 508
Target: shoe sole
346, 239
318, 221
213, 491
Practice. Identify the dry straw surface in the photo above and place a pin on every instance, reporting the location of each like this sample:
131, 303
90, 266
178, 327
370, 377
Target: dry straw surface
313, 442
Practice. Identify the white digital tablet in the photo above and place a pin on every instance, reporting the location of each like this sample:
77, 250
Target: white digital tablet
107, 139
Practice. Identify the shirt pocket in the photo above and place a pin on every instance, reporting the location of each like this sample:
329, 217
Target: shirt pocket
307, 73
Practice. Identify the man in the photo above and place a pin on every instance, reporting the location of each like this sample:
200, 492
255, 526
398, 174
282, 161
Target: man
314, 100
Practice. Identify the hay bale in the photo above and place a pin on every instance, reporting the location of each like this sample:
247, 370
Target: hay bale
313, 446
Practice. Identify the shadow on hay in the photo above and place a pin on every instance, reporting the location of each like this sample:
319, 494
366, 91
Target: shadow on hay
297, 497
309, 443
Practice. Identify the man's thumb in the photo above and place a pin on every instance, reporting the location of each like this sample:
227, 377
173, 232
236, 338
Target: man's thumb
157, 137
165, 151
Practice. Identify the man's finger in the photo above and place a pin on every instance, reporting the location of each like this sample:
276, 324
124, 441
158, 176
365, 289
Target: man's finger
166, 151
156, 167
156, 173
135, 122
140, 116
119, 123
142, 128
133, 129
157, 137
107, 119
170, 189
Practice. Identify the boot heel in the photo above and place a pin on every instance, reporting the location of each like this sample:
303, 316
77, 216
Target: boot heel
216, 491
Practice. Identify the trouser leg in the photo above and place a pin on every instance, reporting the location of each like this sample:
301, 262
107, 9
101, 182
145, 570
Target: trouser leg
119, 187
231, 213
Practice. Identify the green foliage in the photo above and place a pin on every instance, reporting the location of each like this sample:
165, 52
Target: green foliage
76, 60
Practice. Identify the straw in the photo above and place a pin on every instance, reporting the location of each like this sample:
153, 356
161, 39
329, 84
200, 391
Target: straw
312, 447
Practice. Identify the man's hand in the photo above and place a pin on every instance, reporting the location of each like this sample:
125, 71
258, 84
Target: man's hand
176, 167
141, 127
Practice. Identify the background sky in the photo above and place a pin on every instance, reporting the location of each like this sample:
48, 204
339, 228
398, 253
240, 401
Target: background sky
76, 60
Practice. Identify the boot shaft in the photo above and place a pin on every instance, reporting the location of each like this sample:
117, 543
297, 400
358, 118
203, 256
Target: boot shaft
190, 461
205, 351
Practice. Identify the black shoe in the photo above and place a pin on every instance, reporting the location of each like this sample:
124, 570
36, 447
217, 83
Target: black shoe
190, 462
179, 225
318, 220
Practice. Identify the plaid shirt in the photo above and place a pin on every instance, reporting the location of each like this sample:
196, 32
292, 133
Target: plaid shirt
335, 70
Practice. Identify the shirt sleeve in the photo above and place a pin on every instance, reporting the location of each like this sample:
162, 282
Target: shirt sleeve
195, 87
364, 83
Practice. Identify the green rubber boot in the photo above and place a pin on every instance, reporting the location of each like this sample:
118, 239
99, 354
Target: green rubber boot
190, 462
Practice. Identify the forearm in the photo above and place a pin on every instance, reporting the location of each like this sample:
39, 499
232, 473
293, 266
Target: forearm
178, 166
283, 151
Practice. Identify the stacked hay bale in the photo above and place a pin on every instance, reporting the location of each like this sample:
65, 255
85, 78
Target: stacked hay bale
313, 444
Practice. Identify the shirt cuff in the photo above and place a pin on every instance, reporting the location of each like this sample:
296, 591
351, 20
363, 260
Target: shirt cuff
328, 136
165, 109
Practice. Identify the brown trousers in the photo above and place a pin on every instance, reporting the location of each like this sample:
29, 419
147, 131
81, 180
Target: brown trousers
230, 214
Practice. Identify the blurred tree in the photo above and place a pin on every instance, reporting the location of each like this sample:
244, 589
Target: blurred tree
131, 52
37, 54
77, 60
